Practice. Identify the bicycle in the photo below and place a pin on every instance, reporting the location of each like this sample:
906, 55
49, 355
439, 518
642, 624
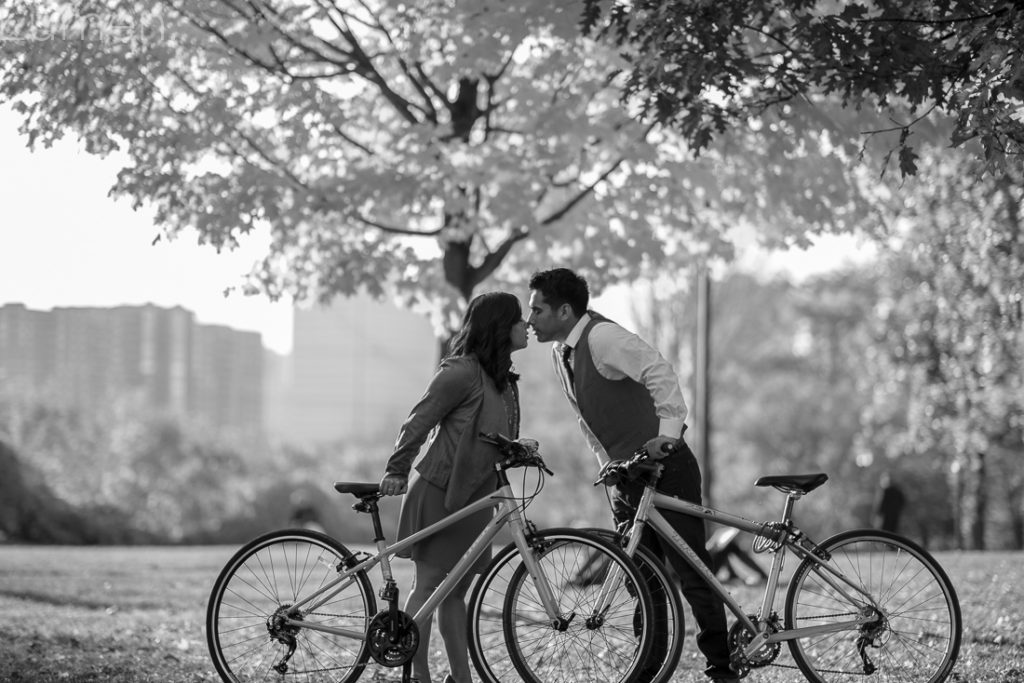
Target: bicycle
860, 603
300, 603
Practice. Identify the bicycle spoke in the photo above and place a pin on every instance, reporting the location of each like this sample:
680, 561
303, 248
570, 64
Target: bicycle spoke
913, 627
246, 621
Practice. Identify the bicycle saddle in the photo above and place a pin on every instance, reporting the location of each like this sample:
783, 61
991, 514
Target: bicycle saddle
802, 483
357, 489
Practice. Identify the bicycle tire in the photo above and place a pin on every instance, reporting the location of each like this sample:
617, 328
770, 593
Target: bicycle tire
610, 648
274, 571
486, 633
668, 610
919, 627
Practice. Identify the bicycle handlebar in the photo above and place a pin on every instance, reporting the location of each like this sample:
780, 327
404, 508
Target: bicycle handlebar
641, 464
516, 453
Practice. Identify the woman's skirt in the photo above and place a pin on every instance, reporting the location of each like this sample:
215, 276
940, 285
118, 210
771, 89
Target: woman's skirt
422, 506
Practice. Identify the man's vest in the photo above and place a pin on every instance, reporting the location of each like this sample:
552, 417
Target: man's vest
619, 412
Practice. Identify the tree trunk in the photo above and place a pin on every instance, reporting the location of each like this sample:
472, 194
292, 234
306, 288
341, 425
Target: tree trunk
956, 490
1015, 506
975, 502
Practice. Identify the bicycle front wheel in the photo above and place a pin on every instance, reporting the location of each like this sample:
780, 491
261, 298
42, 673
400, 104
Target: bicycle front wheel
604, 628
915, 626
246, 629
669, 619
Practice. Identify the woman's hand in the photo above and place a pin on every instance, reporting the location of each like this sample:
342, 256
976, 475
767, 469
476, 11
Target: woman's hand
394, 484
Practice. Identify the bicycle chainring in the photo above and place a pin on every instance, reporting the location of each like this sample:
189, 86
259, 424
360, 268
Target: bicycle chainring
740, 637
392, 642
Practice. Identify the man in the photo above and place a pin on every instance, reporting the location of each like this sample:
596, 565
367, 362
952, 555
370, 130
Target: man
626, 396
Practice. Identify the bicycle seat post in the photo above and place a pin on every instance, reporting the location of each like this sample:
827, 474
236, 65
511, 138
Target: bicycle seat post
787, 511
389, 591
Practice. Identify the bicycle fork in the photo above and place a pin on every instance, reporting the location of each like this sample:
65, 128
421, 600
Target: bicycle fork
523, 532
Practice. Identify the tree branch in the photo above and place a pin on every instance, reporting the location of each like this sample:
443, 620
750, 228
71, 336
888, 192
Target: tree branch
496, 257
391, 229
935, 22
352, 141
586, 191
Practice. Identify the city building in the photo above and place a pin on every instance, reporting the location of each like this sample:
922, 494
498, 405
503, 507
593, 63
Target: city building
147, 356
356, 369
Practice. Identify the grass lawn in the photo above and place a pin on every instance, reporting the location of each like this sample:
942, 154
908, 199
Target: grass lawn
136, 614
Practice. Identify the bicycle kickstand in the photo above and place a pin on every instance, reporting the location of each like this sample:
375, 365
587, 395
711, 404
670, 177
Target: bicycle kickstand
407, 673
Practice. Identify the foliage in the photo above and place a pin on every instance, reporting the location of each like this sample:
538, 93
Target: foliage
704, 67
807, 377
416, 148
29, 512
169, 482
133, 476
951, 332
785, 393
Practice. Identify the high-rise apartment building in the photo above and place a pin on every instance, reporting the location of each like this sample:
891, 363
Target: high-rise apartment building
154, 357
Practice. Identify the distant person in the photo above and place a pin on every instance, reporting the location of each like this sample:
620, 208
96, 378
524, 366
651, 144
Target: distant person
723, 546
474, 391
306, 516
889, 507
627, 396
305, 513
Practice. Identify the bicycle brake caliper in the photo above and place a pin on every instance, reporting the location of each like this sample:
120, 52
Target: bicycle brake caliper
353, 560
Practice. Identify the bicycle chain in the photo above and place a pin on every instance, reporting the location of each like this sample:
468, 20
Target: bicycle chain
826, 671
830, 616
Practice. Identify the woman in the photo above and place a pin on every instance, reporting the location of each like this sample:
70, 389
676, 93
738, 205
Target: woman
474, 391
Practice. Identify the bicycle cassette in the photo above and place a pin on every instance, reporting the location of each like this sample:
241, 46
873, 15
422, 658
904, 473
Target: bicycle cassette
392, 644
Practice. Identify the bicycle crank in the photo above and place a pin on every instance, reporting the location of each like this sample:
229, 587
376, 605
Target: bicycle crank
392, 641
740, 638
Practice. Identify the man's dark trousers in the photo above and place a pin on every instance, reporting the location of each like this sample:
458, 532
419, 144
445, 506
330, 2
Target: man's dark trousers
681, 478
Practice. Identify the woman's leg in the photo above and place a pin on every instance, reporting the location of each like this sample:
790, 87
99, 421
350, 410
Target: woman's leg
451, 623
428, 577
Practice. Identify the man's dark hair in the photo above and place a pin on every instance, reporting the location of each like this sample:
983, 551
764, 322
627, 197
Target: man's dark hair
562, 286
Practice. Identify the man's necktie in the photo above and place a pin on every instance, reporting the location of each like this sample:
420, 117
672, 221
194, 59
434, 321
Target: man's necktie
568, 366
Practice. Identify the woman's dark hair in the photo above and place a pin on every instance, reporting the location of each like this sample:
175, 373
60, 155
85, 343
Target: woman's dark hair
562, 286
487, 333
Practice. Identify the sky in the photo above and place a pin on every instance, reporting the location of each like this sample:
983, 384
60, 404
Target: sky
64, 242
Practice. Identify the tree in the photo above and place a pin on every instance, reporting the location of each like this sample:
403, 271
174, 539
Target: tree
419, 145
788, 393
951, 327
704, 67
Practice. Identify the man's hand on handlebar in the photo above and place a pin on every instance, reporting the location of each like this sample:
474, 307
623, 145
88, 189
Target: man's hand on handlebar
640, 465
660, 446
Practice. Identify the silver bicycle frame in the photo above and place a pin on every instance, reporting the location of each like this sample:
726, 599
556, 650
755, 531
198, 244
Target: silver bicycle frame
508, 513
648, 512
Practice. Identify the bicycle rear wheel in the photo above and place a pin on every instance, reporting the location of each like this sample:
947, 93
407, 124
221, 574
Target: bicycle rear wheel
244, 619
588, 645
916, 627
